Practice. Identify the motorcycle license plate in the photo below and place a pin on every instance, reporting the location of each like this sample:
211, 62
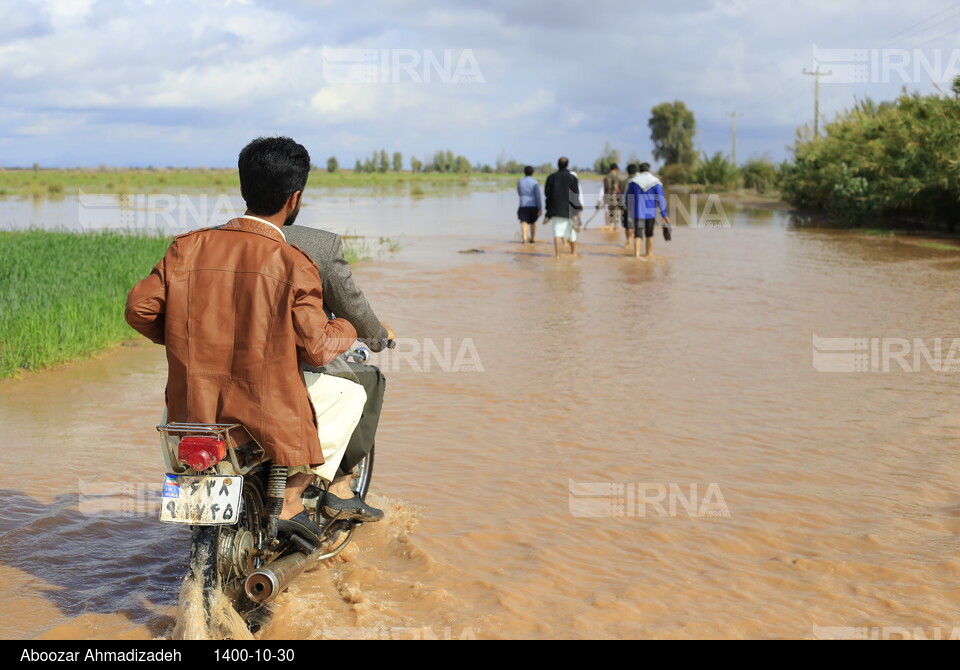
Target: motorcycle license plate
201, 500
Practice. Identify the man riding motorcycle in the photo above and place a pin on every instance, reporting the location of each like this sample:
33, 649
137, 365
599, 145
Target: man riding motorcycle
238, 309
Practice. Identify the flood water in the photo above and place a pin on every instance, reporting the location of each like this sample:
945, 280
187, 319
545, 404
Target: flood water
590, 447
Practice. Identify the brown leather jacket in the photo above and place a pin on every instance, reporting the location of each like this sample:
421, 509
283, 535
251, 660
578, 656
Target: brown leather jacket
237, 309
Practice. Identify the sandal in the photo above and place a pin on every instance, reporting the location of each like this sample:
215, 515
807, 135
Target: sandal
302, 525
353, 509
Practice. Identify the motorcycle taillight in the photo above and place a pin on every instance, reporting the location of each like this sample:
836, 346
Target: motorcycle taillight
201, 452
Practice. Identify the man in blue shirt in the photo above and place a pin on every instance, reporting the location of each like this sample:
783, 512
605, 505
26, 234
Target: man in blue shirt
531, 205
644, 197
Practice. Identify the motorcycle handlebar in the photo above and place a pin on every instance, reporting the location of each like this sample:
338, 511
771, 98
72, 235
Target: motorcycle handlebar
379, 344
362, 354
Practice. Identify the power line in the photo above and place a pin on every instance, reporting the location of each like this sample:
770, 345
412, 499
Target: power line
939, 37
907, 30
788, 94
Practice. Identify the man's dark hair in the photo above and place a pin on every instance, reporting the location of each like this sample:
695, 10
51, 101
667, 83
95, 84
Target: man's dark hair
632, 168
644, 167
528, 170
271, 170
614, 166
563, 162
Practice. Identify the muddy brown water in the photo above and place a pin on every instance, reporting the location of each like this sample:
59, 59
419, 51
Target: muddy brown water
541, 417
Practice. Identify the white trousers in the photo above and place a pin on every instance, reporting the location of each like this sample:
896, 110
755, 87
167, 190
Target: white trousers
339, 403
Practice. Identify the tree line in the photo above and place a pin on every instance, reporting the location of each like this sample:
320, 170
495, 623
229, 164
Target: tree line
672, 130
443, 161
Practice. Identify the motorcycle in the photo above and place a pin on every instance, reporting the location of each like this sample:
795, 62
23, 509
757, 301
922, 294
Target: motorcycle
231, 495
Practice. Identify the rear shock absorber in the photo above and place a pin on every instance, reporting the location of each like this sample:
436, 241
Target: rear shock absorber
276, 486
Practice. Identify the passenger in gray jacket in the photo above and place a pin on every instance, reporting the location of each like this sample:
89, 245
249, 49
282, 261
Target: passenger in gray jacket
342, 297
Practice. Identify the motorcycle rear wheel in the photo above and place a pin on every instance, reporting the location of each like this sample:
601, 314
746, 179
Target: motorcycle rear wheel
205, 572
218, 581
207, 566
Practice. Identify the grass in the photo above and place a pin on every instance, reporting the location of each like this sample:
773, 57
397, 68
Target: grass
926, 244
392, 245
58, 183
876, 232
938, 245
62, 294
357, 248
53, 183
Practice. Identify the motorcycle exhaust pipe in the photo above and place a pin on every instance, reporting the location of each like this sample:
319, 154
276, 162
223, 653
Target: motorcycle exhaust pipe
265, 584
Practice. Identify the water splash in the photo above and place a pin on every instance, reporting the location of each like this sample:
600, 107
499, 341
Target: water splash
225, 623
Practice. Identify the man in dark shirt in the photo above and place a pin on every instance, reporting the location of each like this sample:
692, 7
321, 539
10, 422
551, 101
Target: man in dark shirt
562, 195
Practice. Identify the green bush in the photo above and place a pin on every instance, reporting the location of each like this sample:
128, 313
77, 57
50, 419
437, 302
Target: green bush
878, 161
717, 171
675, 173
759, 174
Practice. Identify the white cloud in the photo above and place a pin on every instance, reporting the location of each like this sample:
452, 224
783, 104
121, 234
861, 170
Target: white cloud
342, 102
194, 78
65, 13
528, 106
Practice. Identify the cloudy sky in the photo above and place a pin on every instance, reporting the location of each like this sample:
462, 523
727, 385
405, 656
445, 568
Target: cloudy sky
188, 82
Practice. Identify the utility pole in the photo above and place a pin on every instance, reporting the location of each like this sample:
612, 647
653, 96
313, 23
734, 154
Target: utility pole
734, 115
816, 99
